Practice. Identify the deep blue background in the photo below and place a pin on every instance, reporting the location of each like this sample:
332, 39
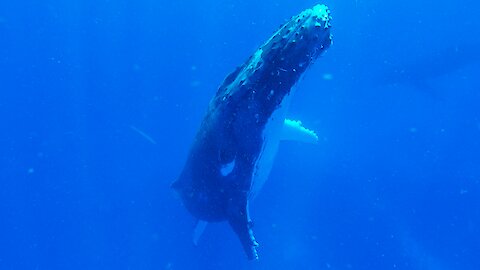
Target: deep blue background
393, 184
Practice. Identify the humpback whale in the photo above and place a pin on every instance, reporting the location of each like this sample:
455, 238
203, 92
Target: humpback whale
420, 70
234, 148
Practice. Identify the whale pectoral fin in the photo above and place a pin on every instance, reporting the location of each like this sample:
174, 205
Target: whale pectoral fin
239, 220
198, 231
293, 130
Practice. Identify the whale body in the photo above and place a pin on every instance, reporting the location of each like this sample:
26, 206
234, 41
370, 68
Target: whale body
234, 148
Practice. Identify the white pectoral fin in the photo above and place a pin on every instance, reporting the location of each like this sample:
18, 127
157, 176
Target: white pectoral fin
294, 131
198, 231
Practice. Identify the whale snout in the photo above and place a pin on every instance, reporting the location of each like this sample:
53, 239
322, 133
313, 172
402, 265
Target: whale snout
309, 31
315, 20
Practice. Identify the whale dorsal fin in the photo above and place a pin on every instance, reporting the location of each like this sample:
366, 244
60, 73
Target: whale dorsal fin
293, 130
198, 231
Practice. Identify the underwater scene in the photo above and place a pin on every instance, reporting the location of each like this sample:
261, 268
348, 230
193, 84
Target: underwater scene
239, 135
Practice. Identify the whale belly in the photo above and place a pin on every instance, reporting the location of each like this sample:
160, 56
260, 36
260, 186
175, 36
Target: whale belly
272, 133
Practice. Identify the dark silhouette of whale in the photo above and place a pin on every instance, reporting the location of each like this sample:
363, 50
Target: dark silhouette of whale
234, 148
418, 71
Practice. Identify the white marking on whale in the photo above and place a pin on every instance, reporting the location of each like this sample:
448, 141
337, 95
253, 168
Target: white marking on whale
227, 168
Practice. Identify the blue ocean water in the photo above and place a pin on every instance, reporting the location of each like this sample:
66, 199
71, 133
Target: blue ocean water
100, 101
